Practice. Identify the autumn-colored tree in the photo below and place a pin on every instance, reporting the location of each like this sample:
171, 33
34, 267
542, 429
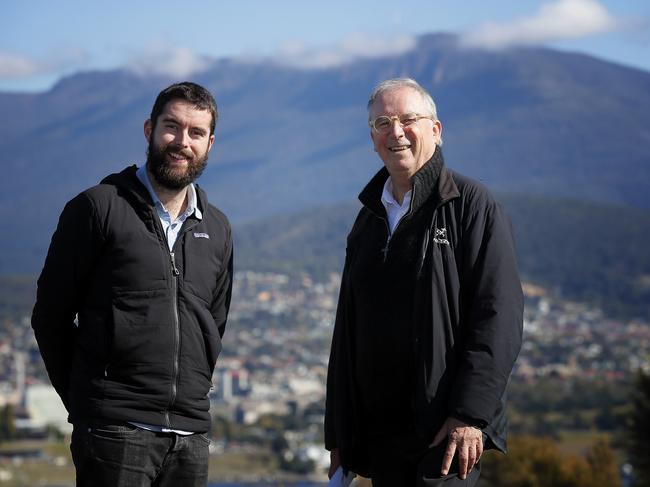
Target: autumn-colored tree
603, 465
538, 462
638, 447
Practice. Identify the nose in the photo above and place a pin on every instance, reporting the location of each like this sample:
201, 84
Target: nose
183, 138
396, 129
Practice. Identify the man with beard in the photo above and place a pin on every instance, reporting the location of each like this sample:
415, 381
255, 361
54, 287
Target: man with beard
430, 313
132, 305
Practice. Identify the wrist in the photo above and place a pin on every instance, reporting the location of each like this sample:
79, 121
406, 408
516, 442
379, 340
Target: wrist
474, 423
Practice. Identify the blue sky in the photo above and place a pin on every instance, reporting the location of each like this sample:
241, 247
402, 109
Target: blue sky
42, 40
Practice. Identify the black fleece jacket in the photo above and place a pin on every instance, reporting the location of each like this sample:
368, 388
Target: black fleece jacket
127, 329
464, 319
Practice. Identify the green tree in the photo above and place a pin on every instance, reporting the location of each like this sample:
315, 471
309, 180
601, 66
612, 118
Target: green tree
221, 429
7, 422
638, 447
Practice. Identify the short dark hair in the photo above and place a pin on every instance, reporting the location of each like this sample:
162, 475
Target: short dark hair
192, 93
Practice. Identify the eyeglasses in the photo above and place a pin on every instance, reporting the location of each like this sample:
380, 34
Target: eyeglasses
384, 124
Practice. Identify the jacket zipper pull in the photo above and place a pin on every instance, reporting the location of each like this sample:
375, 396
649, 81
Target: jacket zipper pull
174, 268
385, 249
390, 235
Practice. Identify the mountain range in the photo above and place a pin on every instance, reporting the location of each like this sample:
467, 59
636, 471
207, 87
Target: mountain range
534, 121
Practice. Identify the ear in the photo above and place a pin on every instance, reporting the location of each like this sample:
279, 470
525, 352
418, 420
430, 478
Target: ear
211, 142
147, 129
372, 137
437, 131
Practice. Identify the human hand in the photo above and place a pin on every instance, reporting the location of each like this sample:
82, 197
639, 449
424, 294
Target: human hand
335, 462
462, 438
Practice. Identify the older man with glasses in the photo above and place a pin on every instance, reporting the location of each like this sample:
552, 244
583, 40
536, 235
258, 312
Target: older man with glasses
430, 313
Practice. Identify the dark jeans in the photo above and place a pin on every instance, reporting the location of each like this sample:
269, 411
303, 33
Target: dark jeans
409, 462
116, 454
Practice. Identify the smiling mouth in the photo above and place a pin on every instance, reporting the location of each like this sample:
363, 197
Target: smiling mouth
399, 148
178, 157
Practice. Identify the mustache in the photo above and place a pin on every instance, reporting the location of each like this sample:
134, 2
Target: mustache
176, 149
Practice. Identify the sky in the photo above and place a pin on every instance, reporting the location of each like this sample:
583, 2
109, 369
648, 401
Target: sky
42, 40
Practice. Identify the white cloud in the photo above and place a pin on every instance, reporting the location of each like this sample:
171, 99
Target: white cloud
355, 46
17, 66
159, 59
555, 21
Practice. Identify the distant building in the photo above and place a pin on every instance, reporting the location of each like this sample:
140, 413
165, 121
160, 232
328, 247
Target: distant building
44, 408
225, 385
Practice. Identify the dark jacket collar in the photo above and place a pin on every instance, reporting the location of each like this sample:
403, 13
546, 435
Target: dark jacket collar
432, 181
128, 181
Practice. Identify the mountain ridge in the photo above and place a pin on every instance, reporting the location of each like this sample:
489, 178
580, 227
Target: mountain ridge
548, 123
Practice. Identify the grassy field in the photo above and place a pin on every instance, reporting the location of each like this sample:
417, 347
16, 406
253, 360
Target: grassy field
54, 466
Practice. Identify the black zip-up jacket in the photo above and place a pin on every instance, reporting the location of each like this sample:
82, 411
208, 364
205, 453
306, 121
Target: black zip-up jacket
149, 321
468, 312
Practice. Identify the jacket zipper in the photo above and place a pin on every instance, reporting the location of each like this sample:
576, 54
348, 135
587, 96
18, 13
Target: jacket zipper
174, 385
385, 249
390, 234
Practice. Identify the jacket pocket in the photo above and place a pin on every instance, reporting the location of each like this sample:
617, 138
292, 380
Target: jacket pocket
202, 264
201, 345
142, 336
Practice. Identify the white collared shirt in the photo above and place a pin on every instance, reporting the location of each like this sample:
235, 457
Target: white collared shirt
394, 210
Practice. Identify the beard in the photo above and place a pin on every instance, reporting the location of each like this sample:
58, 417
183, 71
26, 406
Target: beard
170, 177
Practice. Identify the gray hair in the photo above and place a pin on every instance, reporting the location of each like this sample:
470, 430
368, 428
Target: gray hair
391, 84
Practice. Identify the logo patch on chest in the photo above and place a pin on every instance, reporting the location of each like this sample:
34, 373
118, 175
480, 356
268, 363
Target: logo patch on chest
201, 235
440, 237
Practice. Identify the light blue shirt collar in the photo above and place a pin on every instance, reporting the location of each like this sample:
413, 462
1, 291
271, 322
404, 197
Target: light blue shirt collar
171, 228
192, 206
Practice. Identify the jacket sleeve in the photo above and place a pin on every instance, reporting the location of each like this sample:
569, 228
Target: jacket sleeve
331, 396
73, 250
491, 313
221, 300
337, 407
